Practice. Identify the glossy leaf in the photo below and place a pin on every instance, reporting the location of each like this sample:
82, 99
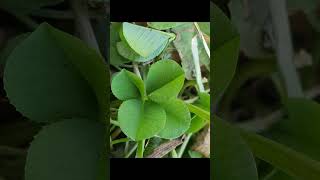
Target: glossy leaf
233, 159
177, 119
225, 49
69, 149
141, 120
126, 85
164, 25
145, 41
164, 80
52, 75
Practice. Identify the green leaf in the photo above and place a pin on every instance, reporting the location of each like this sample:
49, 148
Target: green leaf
291, 162
141, 120
197, 122
225, 49
177, 119
126, 85
164, 25
12, 43
195, 154
125, 51
115, 58
185, 33
64, 79
145, 41
164, 80
233, 159
23, 7
302, 136
204, 114
205, 27
69, 149
89, 63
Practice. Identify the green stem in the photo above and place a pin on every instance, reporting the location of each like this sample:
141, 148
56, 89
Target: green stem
116, 123
140, 149
184, 145
122, 140
136, 70
202, 38
174, 153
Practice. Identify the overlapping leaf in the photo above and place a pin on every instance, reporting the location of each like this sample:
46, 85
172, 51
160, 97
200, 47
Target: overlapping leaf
225, 49
115, 58
126, 85
145, 41
197, 122
69, 149
164, 25
65, 79
164, 80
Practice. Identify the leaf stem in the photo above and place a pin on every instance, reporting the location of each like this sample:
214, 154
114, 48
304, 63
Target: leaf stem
121, 140
195, 53
140, 149
184, 145
136, 70
116, 123
174, 153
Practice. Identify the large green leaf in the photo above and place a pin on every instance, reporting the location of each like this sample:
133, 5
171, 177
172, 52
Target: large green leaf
115, 58
164, 25
69, 149
301, 131
141, 119
52, 75
185, 33
89, 63
126, 85
177, 119
232, 158
145, 41
23, 7
125, 51
225, 49
164, 80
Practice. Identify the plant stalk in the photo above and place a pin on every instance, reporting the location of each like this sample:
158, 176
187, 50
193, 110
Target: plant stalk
140, 149
184, 145
195, 53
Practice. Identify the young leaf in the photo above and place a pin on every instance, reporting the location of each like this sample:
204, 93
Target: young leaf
141, 120
199, 112
177, 119
164, 80
126, 85
49, 76
164, 25
225, 49
145, 41
115, 58
66, 150
23, 7
233, 159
